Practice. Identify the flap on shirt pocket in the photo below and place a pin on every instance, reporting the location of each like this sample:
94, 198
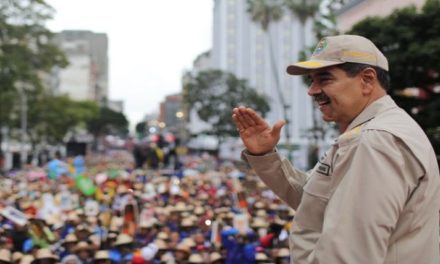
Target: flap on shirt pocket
310, 213
319, 186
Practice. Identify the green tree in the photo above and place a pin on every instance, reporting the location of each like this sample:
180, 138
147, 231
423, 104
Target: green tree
265, 12
108, 122
51, 117
26, 54
141, 129
212, 94
410, 39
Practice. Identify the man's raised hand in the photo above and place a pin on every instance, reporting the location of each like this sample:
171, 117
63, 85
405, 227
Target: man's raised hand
257, 136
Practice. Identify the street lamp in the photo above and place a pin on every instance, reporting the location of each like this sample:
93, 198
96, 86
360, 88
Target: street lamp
179, 114
181, 126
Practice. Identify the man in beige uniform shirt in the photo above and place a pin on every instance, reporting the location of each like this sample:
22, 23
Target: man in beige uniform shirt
374, 197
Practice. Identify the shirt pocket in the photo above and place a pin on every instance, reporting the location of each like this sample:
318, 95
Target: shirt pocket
310, 213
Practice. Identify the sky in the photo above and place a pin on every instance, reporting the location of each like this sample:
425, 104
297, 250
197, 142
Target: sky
151, 43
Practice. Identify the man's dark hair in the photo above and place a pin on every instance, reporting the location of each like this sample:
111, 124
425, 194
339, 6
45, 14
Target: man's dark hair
352, 69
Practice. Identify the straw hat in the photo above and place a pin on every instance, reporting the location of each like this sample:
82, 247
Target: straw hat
283, 252
261, 256
180, 207
102, 255
203, 196
279, 221
73, 217
116, 222
16, 256
259, 205
5, 255
122, 189
165, 258
163, 236
27, 259
147, 223
187, 223
123, 239
229, 215
82, 245
214, 256
195, 258
261, 213
189, 242
199, 210
80, 211
292, 212
185, 214
82, 228
183, 248
45, 253
161, 245
70, 238
259, 223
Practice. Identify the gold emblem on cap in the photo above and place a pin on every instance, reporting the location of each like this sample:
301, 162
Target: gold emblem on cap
309, 63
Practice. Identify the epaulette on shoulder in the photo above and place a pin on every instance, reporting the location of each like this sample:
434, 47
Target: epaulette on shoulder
354, 132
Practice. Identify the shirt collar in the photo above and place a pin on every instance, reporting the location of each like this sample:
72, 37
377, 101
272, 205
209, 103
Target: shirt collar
380, 105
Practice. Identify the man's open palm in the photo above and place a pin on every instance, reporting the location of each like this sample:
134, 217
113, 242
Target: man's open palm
257, 136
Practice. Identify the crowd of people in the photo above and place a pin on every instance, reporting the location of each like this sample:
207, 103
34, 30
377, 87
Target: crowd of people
104, 210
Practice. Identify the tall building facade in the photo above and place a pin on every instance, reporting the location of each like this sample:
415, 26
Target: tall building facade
86, 76
241, 46
171, 113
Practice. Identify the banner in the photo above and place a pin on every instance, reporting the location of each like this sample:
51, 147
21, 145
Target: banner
15, 215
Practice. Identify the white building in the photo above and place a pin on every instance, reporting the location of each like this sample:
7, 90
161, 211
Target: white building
86, 76
240, 46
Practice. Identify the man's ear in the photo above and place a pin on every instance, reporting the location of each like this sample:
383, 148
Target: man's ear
368, 79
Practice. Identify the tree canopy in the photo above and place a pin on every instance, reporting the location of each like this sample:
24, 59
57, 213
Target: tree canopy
214, 93
108, 121
410, 39
26, 56
51, 117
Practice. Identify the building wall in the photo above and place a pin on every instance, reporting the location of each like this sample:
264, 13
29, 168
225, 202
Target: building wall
75, 80
116, 105
240, 46
168, 110
86, 76
357, 10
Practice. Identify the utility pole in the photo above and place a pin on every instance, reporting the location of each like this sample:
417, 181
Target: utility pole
23, 122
